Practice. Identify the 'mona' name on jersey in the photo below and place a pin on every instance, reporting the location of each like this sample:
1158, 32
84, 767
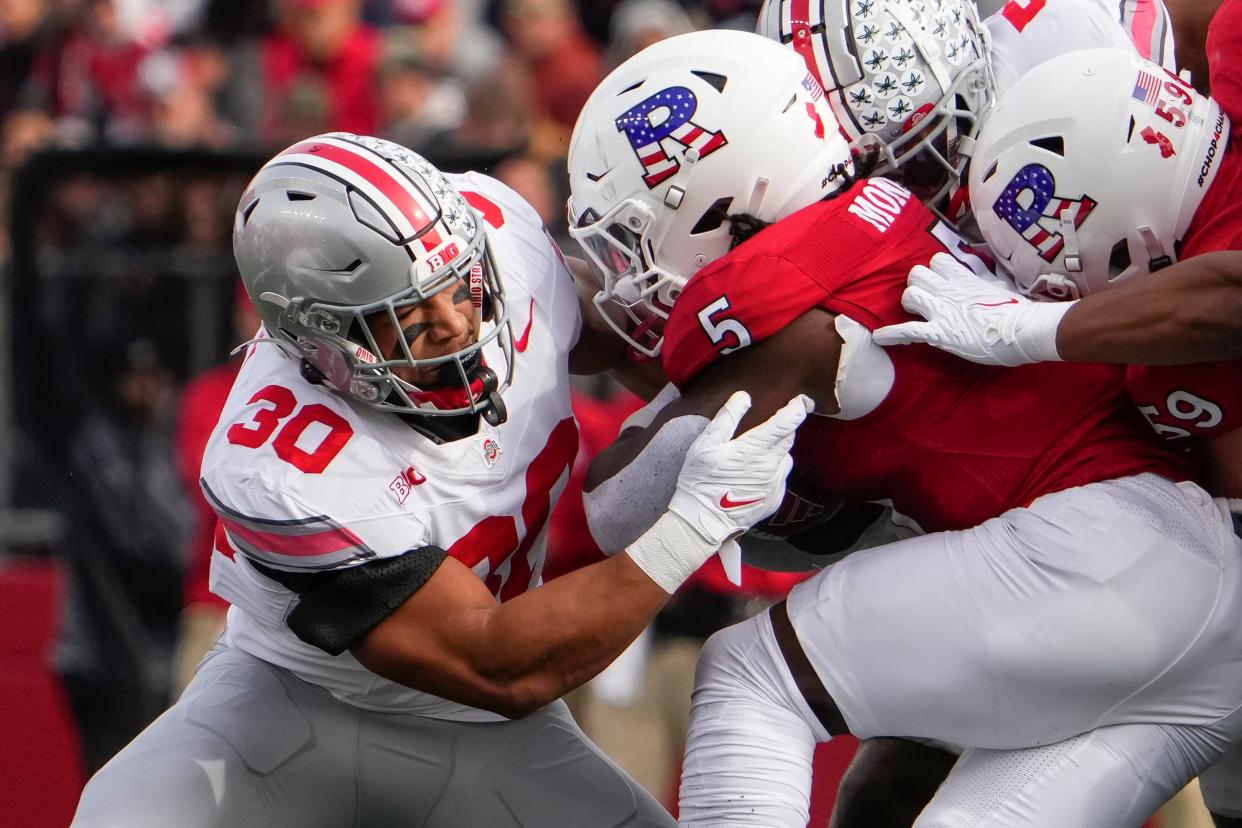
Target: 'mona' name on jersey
878, 204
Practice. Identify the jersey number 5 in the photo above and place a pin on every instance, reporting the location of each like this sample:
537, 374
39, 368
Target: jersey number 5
719, 327
264, 422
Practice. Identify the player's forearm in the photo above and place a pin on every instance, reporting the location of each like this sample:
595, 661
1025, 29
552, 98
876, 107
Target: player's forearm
452, 640
1191, 312
553, 639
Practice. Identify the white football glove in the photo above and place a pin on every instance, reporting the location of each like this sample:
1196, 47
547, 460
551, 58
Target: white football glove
726, 485
981, 319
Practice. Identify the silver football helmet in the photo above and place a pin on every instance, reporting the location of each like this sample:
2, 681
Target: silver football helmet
915, 74
339, 232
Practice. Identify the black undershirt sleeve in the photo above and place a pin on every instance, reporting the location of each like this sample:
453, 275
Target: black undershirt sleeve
337, 609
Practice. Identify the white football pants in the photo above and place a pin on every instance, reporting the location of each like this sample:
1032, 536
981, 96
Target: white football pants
1086, 650
248, 743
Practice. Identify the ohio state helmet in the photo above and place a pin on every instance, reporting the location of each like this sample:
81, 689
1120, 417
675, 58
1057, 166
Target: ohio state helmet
339, 231
915, 74
684, 133
1090, 169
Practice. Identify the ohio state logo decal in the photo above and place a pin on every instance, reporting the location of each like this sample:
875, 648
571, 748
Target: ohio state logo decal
1030, 206
659, 124
491, 451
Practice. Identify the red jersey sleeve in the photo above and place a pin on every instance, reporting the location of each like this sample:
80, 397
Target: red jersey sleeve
849, 255
744, 301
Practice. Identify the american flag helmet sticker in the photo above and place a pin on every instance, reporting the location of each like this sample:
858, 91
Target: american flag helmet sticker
1146, 88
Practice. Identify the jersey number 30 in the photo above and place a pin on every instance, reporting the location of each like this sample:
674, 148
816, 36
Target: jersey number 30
310, 454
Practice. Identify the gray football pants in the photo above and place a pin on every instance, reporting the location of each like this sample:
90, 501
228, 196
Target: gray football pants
250, 744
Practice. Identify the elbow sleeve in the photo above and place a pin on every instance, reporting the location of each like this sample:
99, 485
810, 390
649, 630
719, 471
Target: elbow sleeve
337, 609
626, 505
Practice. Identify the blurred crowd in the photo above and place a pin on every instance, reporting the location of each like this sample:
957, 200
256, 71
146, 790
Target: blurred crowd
134, 305
454, 79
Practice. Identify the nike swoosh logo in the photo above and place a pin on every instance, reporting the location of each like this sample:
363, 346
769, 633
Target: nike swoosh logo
594, 177
996, 304
727, 503
522, 341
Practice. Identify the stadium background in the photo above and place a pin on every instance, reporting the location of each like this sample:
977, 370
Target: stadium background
128, 129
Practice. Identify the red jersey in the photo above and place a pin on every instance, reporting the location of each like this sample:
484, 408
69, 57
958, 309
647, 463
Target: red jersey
1224, 47
1205, 400
950, 443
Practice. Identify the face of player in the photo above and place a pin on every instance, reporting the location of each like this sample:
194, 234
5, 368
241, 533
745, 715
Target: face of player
436, 327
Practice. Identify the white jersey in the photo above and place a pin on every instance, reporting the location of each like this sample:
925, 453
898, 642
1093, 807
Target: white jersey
1025, 33
301, 479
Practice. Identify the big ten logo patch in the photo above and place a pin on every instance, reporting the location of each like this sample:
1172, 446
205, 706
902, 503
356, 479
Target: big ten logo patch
1029, 204
661, 125
404, 482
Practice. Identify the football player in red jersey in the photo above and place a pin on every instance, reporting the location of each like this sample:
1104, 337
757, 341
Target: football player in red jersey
835, 37
1181, 331
711, 187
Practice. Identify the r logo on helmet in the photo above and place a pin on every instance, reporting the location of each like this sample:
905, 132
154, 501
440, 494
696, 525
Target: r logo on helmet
674, 106
1030, 206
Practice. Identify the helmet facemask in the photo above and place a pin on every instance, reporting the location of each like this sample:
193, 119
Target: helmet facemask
915, 75
339, 341
931, 161
619, 245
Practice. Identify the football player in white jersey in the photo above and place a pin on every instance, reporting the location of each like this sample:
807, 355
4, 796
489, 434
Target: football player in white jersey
383, 472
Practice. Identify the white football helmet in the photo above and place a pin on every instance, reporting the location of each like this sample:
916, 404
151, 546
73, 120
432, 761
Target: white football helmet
914, 73
1078, 191
340, 230
688, 131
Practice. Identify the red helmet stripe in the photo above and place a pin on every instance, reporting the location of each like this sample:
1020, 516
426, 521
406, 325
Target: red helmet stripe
804, 45
396, 191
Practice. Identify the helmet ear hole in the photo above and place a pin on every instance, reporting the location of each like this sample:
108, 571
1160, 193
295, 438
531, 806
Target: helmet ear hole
713, 217
1052, 143
248, 210
1119, 259
716, 81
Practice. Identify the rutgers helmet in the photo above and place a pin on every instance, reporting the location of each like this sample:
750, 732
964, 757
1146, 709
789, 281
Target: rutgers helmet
915, 74
1090, 170
340, 231
683, 134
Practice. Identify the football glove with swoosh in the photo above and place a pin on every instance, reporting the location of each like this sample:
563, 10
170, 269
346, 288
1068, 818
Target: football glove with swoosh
980, 319
726, 485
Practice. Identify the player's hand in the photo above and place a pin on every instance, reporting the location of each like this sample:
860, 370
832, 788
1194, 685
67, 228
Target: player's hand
726, 485
982, 319
729, 484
